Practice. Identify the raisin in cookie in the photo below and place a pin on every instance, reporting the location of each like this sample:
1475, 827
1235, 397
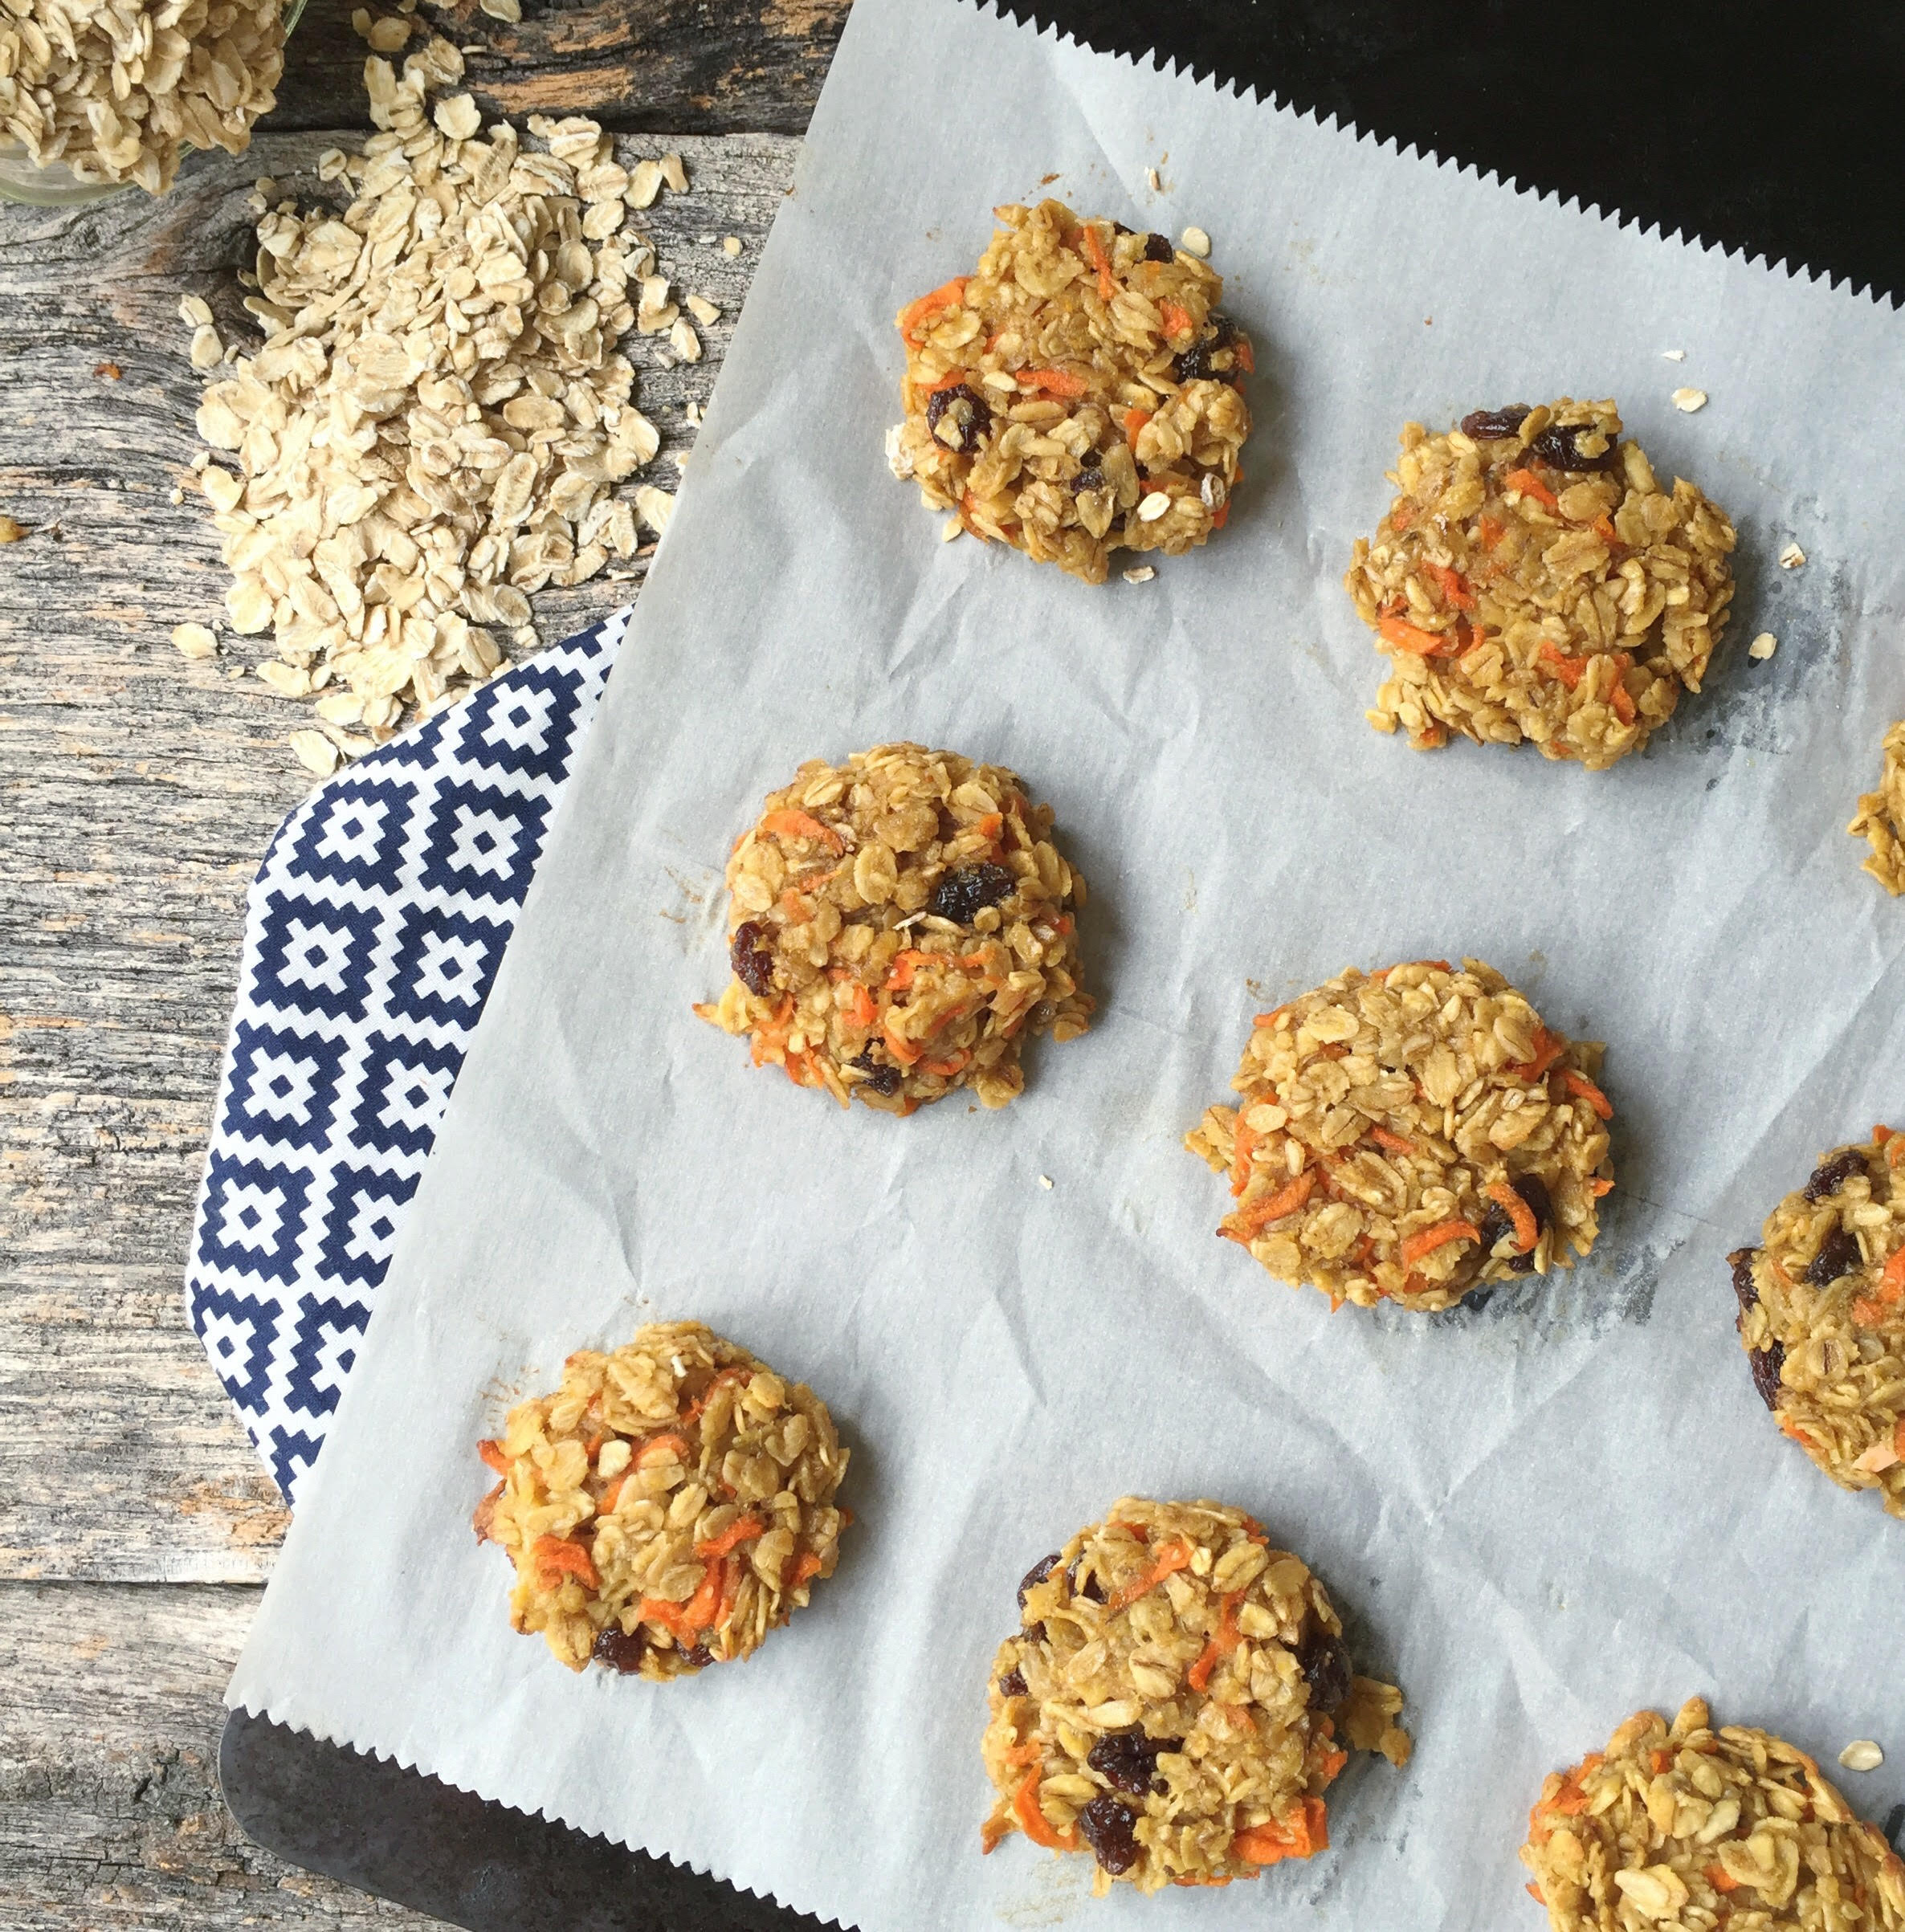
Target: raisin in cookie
1172, 1700
1406, 1135
1822, 1316
1533, 581
1881, 819
898, 924
667, 1506
1076, 394
1695, 1827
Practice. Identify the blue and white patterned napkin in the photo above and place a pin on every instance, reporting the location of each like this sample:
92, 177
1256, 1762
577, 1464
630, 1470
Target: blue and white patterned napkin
373, 935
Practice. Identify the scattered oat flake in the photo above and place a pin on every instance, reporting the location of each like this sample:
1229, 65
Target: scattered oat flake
1862, 1755
195, 640
674, 174
389, 35
703, 311
1045, 1180
950, 528
315, 752
1152, 182
684, 341
1153, 507
1139, 573
1687, 401
10, 533
508, 11
644, 183
654, 507
1196, 241
1674, 355
731, 244
1792, 557
1764, 645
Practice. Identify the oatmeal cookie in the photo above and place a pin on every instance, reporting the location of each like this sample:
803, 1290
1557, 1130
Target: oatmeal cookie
671, 1504
1076, 394
1533, 581
1822, 1316
1172, 1700
1881, 819
1694, 1827
1408, 1134
897, 925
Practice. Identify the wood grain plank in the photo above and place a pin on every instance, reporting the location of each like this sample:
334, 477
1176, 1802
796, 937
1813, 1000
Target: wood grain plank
110, 1816
137, 793
704, 66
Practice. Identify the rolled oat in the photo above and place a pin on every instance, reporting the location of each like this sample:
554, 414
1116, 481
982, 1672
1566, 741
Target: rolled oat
1408, 1134
1170, 1702
1822, 1315
667, 1506
1079, 373
1691, 1826
1532, 581
897, 925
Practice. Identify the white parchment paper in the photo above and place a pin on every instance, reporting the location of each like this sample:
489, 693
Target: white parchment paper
1535, 1518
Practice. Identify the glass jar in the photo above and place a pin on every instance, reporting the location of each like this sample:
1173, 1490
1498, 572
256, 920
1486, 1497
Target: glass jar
57, 186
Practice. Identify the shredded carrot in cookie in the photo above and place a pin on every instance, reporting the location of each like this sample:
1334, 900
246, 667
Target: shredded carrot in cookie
1529, 484
1304, 1832
1227, 1637
558, 1556
1108, 285
1054, 381
1032, 1820
1173, 1557
1428, 1240
1286, 1200
1413, 637
493, 1454
916, 314
789, 824
1583, 1089
1527, 1231
743, 1528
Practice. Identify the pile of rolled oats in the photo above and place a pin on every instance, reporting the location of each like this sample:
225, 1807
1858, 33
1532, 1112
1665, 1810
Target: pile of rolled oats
1694, 1827
437, 419
1172, 1701
1408, 1134
667, 1506
115, 90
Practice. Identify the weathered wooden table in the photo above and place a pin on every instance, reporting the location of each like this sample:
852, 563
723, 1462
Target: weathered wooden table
137, 791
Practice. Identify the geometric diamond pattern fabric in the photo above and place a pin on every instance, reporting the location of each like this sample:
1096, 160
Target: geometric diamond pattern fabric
373, 934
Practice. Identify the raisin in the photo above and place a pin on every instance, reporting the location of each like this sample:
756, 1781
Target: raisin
1741, 1262
1157, 248
1558, 447
1489, 425
1195, 363
1091, 474
967, 889
1110, 1827
1829, 1175
699, 1655
1128, 1759
753, 967
1838, 1254
883, 1078
1012, 1683
620, 1649
1497, 1222
1034, 1576
1091, 1589
1477, 1299
1767, 1364
970, 415
1323, 1659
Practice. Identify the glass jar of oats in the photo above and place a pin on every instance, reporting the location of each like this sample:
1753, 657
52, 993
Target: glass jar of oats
96, 95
